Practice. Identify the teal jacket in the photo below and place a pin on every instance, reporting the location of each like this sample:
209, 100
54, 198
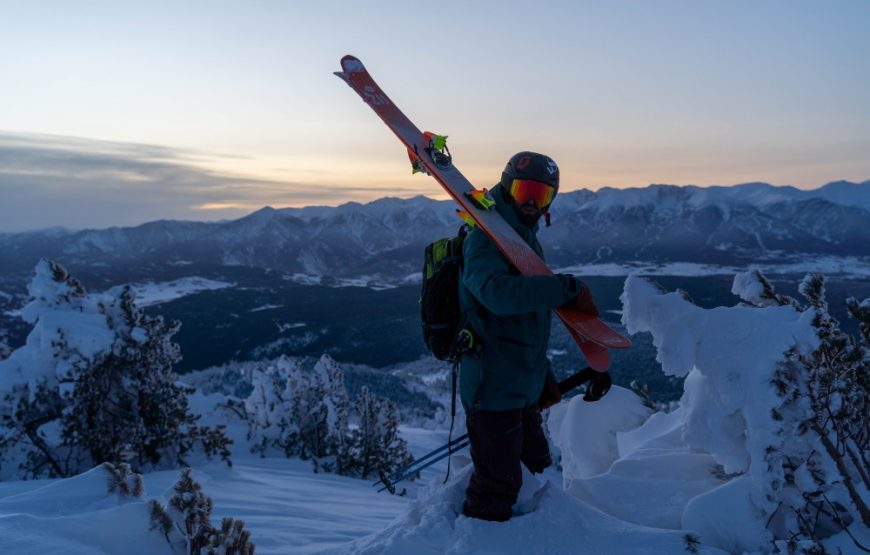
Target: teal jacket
509, 315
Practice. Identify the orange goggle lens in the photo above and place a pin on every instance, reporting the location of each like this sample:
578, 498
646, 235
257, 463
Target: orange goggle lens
525, 190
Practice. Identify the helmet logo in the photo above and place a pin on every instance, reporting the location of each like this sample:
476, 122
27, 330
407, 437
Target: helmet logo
524, 162
551, 166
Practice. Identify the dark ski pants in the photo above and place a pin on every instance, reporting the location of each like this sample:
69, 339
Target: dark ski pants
500, 442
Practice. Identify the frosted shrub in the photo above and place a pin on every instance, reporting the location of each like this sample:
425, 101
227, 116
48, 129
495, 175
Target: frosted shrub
186, 523
122, 480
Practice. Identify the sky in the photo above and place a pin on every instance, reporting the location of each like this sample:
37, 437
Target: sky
120, 112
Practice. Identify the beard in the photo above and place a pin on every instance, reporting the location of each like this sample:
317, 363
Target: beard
528, 214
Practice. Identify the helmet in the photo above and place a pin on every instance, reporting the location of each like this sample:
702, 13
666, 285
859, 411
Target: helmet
530, 165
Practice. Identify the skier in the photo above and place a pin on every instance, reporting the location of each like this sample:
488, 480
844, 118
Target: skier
506, 380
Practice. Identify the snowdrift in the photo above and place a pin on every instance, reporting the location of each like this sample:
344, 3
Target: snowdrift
553, 522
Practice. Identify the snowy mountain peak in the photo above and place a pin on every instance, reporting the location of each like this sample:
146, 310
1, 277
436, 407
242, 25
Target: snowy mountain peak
384, 238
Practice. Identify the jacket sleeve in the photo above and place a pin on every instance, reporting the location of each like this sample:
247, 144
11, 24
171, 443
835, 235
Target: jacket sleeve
486, 274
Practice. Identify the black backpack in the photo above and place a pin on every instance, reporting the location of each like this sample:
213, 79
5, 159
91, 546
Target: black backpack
439, 300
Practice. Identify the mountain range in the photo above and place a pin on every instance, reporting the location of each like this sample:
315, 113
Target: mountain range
383, 239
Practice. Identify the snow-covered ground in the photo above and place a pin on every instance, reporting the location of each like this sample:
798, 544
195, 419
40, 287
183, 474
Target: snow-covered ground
707, 477
150, 293
850, 267
372, 282
627, 480
287, 508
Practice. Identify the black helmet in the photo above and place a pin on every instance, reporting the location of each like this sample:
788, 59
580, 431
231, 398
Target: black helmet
530, 165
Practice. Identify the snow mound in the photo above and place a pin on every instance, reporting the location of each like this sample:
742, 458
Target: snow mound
547, 521
86, 492
727, 418
655, 477
77, 516
728, 355
585, 433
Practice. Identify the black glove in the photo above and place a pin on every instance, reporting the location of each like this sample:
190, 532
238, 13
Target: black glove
598, 386
583, 301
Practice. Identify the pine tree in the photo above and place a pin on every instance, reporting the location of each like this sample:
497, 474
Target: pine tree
337, 413
376, 442
97, 369
308, 416
270, 411
821, 460
129, 406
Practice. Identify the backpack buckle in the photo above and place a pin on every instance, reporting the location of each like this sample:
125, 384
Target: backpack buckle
465, 344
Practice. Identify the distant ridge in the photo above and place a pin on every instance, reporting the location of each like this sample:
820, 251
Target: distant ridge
662, 223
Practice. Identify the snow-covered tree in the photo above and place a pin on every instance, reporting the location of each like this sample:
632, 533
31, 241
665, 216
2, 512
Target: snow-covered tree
328, 412
776, 393
269, 408
821, 463
306, 414
94, 383
376, 444
186, 523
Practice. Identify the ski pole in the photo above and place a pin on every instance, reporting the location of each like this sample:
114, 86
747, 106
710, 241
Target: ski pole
391, 485
575, 380
407, 467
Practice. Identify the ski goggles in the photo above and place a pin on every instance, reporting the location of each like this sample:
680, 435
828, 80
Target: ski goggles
525, 190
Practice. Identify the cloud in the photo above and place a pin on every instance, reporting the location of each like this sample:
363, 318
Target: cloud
48, 180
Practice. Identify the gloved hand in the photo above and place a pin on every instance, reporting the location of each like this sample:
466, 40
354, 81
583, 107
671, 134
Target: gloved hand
584, 302
550, 395
598, 386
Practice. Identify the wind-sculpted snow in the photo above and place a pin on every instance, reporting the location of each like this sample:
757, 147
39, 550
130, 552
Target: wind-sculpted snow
729, 356
552, 522
590, 450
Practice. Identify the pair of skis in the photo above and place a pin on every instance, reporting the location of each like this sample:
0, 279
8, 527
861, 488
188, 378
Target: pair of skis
429, 154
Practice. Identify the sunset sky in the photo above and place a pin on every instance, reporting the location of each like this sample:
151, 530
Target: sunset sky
121, 112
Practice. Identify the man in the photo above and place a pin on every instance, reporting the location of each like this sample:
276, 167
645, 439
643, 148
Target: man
503, 383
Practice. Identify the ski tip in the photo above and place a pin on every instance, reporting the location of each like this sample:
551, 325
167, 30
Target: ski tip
351, 64
341, 75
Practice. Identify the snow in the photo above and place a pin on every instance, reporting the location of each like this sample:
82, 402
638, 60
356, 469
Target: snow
631, 480
61, 315
728, 396
553, 523
726, 517
266, 307
287, 508
372, 282
586, 449
845, 266
150, 293
747, 286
